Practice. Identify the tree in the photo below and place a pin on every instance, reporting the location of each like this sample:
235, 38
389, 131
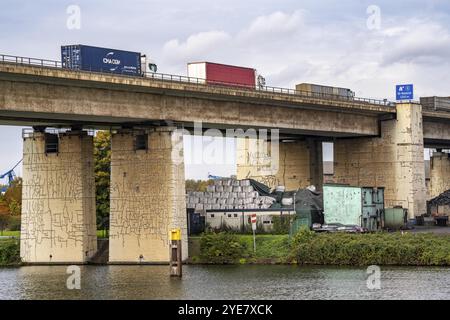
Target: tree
102, 167
197, 185
13, 197
4, 220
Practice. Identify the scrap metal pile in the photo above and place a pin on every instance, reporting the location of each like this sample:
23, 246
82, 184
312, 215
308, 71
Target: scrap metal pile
441, 200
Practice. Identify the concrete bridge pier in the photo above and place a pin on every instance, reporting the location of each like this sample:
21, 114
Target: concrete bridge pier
394, 160
147, 195
439, 173
297, 164
58, 205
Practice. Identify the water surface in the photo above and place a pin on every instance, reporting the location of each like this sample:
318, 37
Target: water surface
224, 282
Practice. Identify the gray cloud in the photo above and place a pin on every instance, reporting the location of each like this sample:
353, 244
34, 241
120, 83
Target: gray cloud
287, 41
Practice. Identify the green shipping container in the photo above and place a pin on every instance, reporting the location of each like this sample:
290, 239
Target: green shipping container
353, 206
395, 218
342, 204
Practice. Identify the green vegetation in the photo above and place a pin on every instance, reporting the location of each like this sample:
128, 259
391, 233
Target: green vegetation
307, 247
13, 197
228, 248
197, 185
102, 159
11, 233
9, 253
371, 249
100, 234
281, 224
10, 207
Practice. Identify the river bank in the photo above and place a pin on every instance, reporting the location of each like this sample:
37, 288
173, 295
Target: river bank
305, 248
310, 248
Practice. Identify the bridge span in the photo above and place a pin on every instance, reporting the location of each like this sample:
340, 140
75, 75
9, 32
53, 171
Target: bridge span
376, 143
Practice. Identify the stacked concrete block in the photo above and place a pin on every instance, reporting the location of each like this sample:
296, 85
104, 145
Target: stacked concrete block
228, 194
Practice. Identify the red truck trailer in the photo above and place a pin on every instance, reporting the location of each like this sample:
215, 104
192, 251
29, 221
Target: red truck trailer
216, 73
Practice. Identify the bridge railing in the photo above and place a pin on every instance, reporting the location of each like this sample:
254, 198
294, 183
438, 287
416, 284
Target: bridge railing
30, 61
203, 82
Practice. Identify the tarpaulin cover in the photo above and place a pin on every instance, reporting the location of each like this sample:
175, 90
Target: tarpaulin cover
304, 199
261, 188
307, 199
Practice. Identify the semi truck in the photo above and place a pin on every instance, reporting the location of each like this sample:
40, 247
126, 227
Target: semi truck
223, 74
89, 58
315, 89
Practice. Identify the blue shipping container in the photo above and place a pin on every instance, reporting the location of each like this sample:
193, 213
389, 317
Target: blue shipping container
88, 58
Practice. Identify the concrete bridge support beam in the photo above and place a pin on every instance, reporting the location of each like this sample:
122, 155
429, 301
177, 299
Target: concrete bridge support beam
394, 161
297, 164
439, 173
147, 195
58, 205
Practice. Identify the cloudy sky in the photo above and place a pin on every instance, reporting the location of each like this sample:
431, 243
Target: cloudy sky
369, 46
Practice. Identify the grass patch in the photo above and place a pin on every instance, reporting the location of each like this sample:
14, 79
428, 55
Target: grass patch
101, 234
229, 248
10, 234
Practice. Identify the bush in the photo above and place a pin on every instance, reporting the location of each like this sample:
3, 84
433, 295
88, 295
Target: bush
9, 252
14, 223
281, 224
221, 248
367, 249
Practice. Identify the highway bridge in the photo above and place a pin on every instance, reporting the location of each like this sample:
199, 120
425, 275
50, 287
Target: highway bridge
376, 143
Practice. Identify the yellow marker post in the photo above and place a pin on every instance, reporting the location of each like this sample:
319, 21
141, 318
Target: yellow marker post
175, 253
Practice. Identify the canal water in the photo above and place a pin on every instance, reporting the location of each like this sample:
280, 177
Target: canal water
224, 282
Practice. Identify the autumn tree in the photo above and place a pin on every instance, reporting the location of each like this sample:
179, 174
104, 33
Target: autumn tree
13, 197
102, 158
197, 185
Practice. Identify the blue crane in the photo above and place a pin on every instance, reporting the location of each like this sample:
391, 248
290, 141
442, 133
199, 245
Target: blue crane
11, 175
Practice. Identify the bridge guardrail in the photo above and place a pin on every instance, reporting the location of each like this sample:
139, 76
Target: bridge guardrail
202, 82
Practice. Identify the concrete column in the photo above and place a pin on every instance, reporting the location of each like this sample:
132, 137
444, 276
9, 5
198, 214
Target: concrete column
58, 200
298, 163
394, 161
439, 173
147, 196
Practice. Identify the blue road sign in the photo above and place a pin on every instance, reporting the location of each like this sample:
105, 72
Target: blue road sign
405, 92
